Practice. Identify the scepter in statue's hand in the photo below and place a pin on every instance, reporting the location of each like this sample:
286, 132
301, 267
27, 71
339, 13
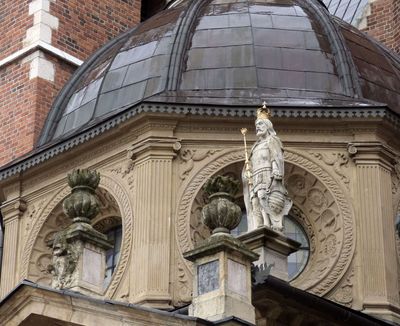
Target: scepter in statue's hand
247, 165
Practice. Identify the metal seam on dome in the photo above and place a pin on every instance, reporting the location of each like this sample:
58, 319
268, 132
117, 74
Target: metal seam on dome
180, 43
35, 159
344, 62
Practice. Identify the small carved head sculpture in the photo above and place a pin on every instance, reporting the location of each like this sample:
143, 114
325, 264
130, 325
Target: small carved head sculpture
60, 246
263, 124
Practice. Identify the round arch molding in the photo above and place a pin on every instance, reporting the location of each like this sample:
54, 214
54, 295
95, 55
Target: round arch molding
320, 206
35, 261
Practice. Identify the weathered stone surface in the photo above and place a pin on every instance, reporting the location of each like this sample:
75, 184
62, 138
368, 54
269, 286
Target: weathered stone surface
221, 215
208, 277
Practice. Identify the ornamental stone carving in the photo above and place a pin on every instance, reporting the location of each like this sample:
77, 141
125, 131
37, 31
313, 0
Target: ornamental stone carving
320, 205
338, 161
72, 246
221, 215
49, 218
188, 157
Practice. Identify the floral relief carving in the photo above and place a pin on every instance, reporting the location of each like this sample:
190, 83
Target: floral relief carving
188, 157
328, 222
29, 217
344, 294
338, 161
332, 218
396, 177
43, 213
184, 286
124, 170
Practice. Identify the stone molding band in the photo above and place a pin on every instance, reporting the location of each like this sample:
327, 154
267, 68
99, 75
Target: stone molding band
282, 112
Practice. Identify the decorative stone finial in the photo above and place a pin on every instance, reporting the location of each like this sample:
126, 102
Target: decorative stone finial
221, 215
78, 261
82, 205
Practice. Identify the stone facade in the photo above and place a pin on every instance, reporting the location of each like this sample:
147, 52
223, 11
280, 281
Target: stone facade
342, 174
326, 177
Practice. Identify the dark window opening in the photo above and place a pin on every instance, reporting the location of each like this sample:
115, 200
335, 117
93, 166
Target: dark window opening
112, 255
151, 7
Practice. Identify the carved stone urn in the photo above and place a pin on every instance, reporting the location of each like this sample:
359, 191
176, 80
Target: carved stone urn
82, 205
221, 215
78, 261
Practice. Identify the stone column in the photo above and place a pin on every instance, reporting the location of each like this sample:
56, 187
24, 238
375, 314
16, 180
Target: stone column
376, 230
151, 256
12, 212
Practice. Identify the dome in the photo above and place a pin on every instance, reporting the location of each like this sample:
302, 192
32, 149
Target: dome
232, 53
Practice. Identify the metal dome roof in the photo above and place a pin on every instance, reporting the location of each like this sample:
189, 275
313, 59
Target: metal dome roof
229, 52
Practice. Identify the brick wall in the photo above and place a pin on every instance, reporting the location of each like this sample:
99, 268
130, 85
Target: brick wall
85, 25
383, 22
75, 27
14, 21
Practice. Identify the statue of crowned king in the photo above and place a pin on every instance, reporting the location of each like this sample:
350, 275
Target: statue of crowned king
265, 196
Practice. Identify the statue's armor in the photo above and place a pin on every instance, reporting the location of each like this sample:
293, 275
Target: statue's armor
261, 167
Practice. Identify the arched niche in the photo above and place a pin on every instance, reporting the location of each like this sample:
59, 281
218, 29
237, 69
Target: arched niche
320, 207
41, 253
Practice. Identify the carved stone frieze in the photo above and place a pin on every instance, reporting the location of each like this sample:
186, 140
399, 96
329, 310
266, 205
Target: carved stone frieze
188, 157
319, 204
338, 162
125, 170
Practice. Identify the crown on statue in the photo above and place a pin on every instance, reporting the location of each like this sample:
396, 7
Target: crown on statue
263, 113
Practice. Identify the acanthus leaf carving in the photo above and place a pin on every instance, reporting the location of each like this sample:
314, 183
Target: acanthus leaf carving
396, 177
344, 294
124, 170
184, 287
188, 157
337, 161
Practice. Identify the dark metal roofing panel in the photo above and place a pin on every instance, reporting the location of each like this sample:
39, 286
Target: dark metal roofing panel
287, 52
259, 45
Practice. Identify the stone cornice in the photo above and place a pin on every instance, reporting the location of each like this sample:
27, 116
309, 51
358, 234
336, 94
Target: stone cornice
36, 158
153, 148
372, 153
13, 209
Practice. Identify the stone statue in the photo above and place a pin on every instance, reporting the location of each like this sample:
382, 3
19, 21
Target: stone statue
265, 195
63, 263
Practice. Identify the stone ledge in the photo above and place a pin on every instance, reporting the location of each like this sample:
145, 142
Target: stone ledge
217, 243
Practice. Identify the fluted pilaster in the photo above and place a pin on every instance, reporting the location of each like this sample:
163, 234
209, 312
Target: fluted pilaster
376, 231
9, 270
152, 228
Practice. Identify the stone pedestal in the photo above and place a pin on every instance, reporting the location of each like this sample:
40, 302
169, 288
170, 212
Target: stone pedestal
273, 249
222, 282
79, 259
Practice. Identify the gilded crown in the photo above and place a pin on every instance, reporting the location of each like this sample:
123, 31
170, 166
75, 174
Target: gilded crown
263, 113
